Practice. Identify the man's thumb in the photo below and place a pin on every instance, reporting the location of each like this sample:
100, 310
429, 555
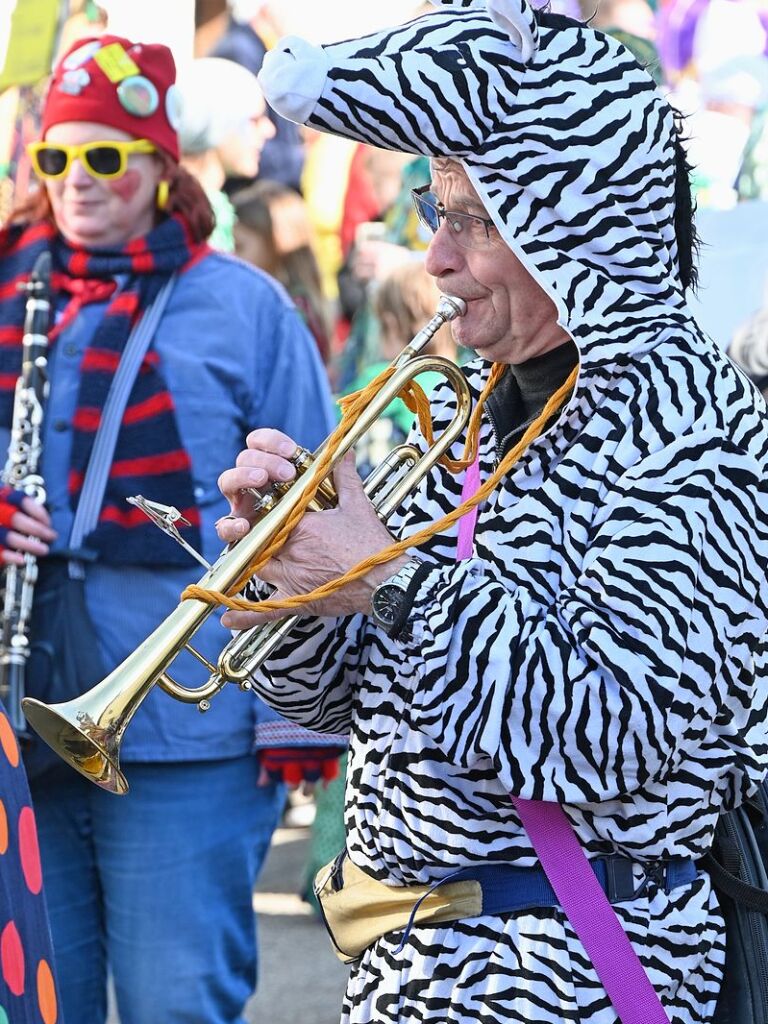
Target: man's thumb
346, 479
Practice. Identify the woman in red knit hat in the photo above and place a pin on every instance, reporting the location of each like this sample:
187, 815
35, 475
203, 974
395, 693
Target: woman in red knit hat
153, 887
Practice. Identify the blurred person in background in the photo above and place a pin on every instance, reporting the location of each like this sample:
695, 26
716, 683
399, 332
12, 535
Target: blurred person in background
749, 349
381, 176
152, 888
752, 182
713, 54
223, 130
324, 185
723, 86
272, 231
732, 94
372, 250
254, 27
633, 16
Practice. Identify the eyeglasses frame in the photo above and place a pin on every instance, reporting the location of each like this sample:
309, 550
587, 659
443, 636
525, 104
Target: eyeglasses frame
74, 151
417, 196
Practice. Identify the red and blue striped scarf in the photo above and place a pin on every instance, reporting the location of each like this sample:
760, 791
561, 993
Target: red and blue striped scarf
149, 457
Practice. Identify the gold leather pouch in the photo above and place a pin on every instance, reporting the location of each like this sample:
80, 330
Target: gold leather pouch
358, 909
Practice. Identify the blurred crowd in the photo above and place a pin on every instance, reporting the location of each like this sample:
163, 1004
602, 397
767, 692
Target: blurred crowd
332, 221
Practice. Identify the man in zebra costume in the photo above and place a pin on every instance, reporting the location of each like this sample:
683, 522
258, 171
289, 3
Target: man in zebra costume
604, 648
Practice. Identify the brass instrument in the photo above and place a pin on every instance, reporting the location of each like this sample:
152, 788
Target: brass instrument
86, 732
22, 472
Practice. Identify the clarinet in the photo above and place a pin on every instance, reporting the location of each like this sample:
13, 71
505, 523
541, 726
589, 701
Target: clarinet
21, 473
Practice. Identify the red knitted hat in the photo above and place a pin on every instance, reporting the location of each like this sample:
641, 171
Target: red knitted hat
113, 81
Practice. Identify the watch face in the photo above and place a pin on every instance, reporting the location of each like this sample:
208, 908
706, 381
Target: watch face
386, 602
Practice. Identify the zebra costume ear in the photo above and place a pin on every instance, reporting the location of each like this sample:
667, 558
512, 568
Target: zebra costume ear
515, 17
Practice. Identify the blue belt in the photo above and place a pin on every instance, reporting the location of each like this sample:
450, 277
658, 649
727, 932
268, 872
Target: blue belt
507, 888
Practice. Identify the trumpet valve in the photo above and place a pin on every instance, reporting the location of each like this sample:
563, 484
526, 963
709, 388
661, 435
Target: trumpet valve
302, 459
265, 503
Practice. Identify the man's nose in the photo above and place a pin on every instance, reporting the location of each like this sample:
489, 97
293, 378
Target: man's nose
444, 255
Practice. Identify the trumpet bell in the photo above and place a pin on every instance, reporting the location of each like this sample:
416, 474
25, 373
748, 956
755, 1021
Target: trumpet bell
87, 748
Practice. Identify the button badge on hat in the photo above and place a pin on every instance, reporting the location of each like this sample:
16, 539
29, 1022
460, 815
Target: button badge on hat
138, 96
173, 107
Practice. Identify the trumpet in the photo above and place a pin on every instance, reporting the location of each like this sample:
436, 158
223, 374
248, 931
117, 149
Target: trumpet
87, 732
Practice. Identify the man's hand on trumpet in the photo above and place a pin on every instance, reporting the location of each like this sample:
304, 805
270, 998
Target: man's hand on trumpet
322, 547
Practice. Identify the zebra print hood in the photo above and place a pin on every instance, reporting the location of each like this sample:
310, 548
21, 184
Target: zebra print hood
564, 136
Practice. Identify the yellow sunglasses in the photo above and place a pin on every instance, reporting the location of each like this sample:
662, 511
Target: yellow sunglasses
100, 159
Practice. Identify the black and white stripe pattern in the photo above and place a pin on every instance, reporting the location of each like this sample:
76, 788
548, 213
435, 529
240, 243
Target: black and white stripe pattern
606, 648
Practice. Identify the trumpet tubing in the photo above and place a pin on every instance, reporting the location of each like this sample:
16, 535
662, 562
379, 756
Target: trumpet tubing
86, 732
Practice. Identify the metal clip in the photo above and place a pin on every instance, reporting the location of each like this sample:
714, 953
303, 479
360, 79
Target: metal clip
165, 517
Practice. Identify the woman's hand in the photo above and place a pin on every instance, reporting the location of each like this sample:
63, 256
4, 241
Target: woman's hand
29, 531
323, 545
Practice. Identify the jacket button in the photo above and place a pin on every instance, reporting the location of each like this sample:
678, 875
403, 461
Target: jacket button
70, 349
60, 425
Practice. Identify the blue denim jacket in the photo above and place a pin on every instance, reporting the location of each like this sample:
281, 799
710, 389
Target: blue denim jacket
235, 355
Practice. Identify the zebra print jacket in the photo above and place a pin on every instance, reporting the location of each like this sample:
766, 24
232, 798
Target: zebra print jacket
606, 646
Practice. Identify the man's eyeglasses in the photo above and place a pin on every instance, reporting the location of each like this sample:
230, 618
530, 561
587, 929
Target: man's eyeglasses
100, 159
467, 229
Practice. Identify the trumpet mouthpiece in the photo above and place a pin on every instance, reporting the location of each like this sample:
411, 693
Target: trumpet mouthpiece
448, 308
451, 306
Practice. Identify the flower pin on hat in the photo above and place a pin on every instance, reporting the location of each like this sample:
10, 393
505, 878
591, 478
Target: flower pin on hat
73, 82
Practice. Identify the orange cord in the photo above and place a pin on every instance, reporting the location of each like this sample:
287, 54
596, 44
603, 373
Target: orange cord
352, 406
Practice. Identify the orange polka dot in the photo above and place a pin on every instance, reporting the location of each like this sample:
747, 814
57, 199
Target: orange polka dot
8, 740
12, 958
29, 851
46, 994
3, 831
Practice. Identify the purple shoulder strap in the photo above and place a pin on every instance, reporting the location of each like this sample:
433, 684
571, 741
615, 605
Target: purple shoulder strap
552, 836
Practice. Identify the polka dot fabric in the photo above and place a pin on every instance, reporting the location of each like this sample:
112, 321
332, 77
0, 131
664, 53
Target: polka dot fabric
27, 986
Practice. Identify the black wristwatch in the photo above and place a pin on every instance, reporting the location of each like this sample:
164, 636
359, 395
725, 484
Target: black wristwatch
387, 599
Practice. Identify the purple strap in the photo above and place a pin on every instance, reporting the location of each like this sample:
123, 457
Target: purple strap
468, 521
552, 836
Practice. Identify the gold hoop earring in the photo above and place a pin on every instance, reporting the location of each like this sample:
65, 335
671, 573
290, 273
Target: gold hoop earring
163, 191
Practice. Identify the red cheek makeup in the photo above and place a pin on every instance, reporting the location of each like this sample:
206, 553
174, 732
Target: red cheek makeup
127, 186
